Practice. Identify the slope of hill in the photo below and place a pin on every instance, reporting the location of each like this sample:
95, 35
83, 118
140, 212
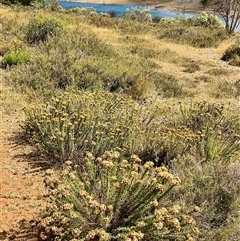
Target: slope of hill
168, 72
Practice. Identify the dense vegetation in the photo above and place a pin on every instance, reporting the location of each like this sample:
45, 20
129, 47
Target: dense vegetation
143, 140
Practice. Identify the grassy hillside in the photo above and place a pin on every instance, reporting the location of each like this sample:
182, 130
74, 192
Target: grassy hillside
133, 106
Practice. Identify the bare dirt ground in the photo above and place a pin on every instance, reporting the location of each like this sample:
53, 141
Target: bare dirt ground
21, 184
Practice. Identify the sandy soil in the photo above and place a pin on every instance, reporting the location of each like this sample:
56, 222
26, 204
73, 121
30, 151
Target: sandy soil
21, 182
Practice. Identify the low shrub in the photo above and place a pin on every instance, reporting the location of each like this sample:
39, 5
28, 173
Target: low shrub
227, 89
15, 57
39, 30
137, 14
62, 64
109, 198
214, 187
218, 72
181, 31
10, 29
191, 67
206, 20
82, 11
232, 54
72, 123
218, 134
167, 85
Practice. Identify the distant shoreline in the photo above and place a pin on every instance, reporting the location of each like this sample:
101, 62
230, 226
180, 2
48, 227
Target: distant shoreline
185, 6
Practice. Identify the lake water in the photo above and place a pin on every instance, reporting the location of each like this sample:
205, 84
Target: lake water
120, 9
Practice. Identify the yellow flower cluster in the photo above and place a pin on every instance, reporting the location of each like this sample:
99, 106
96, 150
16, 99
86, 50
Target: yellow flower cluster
97, 234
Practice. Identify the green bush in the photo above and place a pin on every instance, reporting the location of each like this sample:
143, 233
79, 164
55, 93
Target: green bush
39, 30
227, 89
167, 85
182, 31
232, 54
15, 57
191, 67
109, 198
218, 134
214, 187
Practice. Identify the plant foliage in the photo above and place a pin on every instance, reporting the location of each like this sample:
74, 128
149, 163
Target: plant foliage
39, 30
109, 198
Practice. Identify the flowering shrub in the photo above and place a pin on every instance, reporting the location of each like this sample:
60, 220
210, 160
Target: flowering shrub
72, 123
206, 20
108, 198
138, 14
218, 134
88, 11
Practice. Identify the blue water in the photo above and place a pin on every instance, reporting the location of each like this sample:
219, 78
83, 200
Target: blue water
120, 9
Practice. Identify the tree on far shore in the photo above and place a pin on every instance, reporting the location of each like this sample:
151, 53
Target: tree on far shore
229, 10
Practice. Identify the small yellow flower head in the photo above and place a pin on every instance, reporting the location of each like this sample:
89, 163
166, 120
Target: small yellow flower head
49, 172
124, 164
134, 158
141, 224
195, 230
175, 181
73, 215
71, 176
97, 234
113, 178
99, 160
89, 155
68, 163
154, 203
76, 232
107, 165
154, 180
106, 220
102, 207
160, 213
134, 174
197, 209
109, 208
174, 222
134, 236
190, 238
148, 165
158, 225
162, 169
116, 185
188, 220
159, 187
106, 155
115, 154
175, 209
163, 174
93, 143
125, 181
67, 206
